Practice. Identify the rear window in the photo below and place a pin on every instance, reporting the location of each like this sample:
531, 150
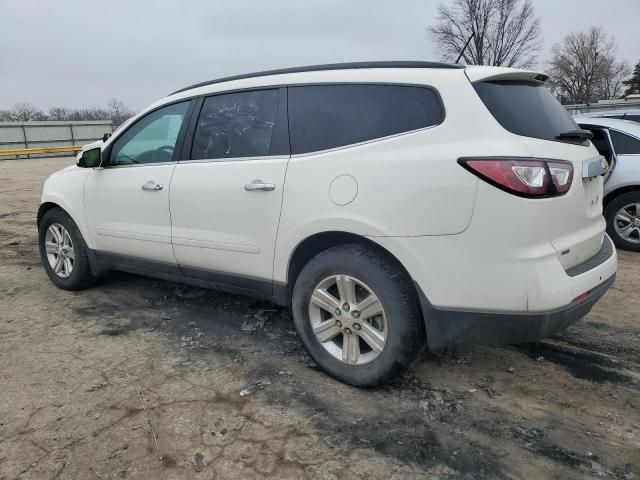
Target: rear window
526, 108
329, 116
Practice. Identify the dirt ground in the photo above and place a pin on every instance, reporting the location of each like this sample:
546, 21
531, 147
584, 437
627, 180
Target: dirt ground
140, 378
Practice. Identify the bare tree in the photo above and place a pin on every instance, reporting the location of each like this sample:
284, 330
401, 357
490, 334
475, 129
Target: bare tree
6, 116
613, 80
583, 67
59, 113
119, 111
499, 32
23, 112
90, 114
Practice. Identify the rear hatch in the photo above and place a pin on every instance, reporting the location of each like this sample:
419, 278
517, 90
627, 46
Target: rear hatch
519, 101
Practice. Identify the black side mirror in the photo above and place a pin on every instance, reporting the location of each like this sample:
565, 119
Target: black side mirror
106, 137
90, 158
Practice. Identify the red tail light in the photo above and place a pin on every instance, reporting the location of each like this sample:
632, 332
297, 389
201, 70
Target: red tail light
525, 177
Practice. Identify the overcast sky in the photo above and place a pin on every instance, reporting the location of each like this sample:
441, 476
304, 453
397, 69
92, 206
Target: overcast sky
80, 53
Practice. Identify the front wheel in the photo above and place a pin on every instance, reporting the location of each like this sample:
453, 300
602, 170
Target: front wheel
357, 313
64, 252
623, 221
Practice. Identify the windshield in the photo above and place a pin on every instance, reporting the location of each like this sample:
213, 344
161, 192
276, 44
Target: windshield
527, 108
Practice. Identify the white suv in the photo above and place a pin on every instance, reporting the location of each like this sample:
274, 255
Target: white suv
390, 204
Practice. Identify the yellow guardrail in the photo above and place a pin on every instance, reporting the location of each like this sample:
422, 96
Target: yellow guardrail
36, 150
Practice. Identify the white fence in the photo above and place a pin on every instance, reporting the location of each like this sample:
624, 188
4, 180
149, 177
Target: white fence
27, 135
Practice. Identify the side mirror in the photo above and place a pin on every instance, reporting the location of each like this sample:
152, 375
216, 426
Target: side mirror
90, 158
106, 137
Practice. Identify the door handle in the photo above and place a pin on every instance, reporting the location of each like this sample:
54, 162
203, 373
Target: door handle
151, 186
259, 185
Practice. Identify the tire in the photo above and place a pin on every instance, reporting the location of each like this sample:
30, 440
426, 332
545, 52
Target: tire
366, 272
631, 203
79, 275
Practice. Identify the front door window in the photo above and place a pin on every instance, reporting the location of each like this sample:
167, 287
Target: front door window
152, 139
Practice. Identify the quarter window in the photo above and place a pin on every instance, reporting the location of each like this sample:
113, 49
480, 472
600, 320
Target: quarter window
151, 139
236, 125
624, 144
328, 116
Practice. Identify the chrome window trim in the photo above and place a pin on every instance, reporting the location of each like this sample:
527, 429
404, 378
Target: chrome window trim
366, 142
236, 159
154, 164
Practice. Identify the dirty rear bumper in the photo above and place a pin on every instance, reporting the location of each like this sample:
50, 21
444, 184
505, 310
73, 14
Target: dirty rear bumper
450, 327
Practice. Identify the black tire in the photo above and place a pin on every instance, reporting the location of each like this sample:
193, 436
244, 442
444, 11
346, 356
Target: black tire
610, 212
393, 287
81, 276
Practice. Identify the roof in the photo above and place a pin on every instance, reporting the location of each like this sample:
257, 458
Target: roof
610, 113
329, 66
633, 128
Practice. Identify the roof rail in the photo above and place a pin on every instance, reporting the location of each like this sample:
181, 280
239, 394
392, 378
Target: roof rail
329, 66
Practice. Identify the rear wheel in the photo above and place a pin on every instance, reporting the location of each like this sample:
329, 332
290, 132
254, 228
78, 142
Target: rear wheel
63, 251
358, 315
623, 221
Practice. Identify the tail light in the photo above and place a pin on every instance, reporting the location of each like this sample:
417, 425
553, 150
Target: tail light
525, 177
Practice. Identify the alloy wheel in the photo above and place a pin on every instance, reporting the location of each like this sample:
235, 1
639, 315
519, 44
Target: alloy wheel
627, 223
348, 319
59, 249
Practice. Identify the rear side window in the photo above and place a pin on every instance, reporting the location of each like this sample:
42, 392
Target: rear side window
329, 116
525, 108
624, 144
236, 125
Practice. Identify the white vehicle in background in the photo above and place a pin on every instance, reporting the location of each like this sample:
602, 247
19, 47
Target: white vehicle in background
631, 114
619, 142
389, 204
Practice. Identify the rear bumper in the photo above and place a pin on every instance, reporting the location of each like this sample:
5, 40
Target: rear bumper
448, 327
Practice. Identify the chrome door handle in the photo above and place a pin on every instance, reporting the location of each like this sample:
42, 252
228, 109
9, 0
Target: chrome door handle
151, 186
259, 185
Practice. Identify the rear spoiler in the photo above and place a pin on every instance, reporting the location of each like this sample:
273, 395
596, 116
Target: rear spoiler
488, 74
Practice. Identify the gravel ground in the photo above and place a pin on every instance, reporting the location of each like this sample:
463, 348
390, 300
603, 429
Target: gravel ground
140, 378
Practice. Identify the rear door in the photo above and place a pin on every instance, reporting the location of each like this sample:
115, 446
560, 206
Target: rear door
627, 150
226, 192
527, 109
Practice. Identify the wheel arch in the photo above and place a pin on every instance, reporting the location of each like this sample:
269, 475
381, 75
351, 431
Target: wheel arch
318, 242
49, 204
619, 191
45, 207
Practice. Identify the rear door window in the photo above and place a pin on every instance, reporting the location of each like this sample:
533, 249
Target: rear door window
624, 144
237, 124
526, 108
329, 116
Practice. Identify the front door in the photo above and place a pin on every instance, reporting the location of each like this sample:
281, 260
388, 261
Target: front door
127, 200
226, 196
